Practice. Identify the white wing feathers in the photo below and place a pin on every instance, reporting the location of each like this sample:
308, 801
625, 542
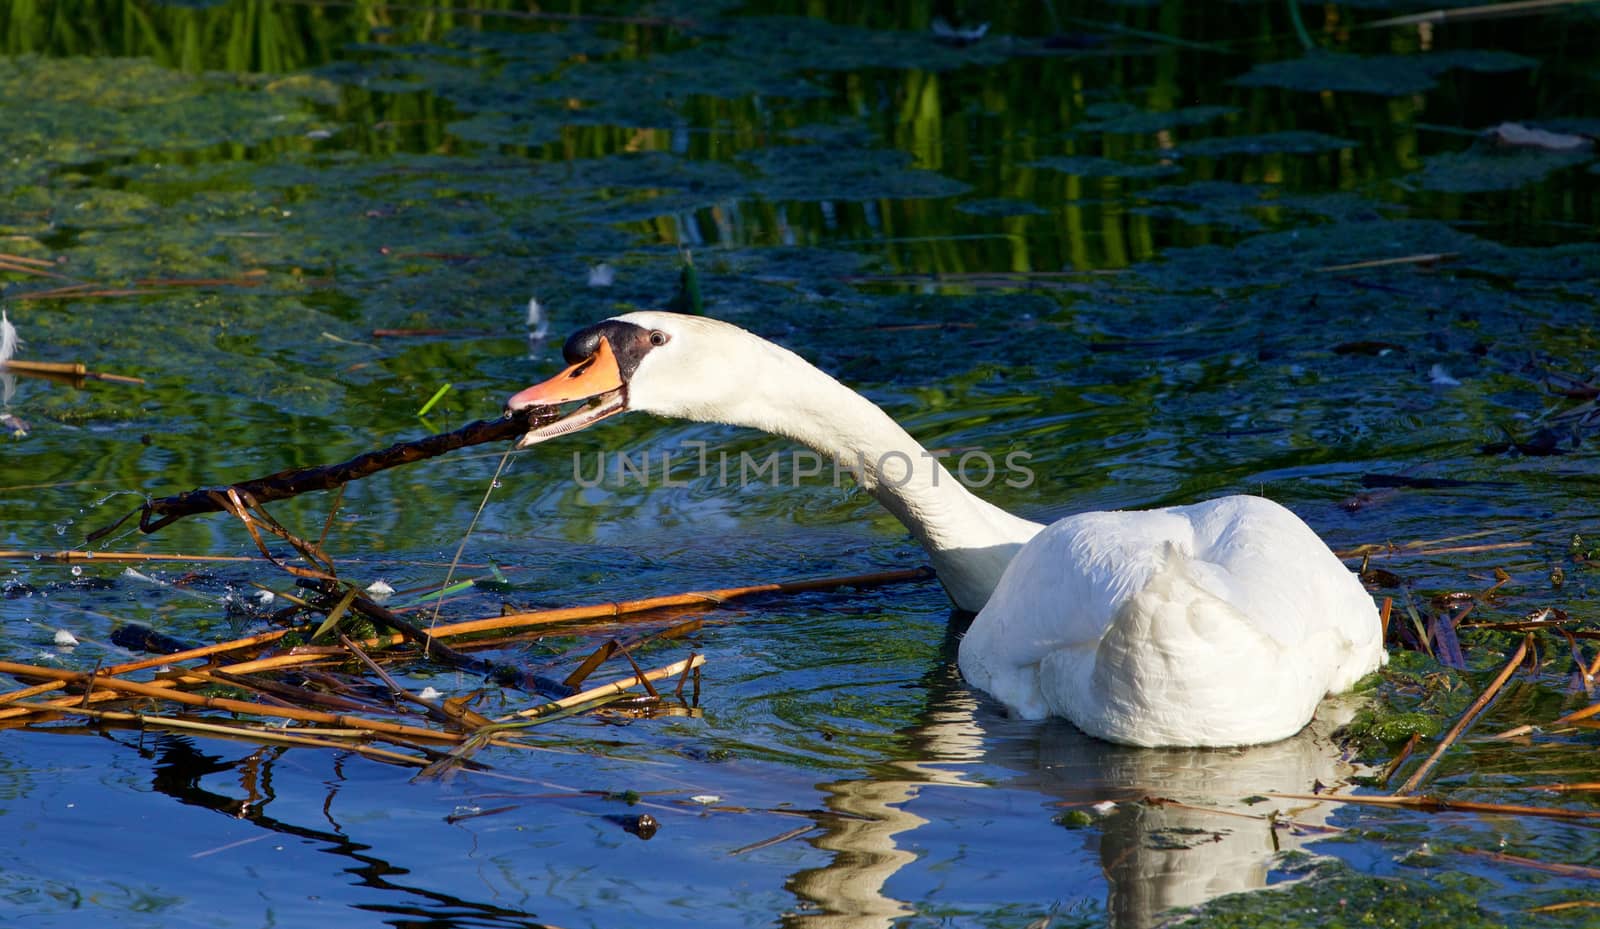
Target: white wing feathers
1219, 623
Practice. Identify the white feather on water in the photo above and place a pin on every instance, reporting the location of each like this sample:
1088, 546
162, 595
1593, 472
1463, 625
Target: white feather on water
8, 338
8, 347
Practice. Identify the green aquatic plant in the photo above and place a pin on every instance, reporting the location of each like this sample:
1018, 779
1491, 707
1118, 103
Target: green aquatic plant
1335, 895
1382, 75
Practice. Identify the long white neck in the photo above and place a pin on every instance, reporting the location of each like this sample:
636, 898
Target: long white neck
970, 540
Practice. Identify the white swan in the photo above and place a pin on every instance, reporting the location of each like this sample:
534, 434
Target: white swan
1218, 623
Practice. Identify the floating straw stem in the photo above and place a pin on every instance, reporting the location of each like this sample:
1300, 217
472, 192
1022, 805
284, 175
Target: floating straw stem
226, 704
699, 598
155, 662
315, 737
1482, 11
609, 610
1421, 774
1441, 805
608, 690
75, 557
106, 686
73, 372
1592, 709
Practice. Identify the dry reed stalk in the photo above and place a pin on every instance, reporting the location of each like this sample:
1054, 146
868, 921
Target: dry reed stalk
226, 704
143, 663
972, 275
276, 662
252, 278
8, 264
1429, 804
1584, 677
1484, 11
73, 557
285, 694
1399, 759
1576, 715
778, 839
166, 688
263, 638
1421, 774
107, 685
693, 599
256, 520
631, 645
446, 712
1374, 551
1268, 817
613, 609
79, 291
494, 12
281, 662
1566, 905
247, 510
1552, 867
589, 699
28, 693
13, 716
1524, 625
1433, 258
72, 371
42, 263
609, 610
320, 738
606, 690
308, 655
63, 290
62, 368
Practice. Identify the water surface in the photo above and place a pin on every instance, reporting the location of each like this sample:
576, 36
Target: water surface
1134, 242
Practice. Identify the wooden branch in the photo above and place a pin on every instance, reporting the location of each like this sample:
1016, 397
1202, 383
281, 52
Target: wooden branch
291, 483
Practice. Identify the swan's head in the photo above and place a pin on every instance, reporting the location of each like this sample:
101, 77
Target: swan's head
663, 363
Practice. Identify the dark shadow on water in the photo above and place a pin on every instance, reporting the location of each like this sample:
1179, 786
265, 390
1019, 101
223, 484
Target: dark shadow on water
180, 768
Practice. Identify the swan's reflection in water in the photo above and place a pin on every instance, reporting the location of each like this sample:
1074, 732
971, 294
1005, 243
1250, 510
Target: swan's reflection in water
1201, 841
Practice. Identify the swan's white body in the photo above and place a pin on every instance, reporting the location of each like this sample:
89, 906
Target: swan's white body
1219, 623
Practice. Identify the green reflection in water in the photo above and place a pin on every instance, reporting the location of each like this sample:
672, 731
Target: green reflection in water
1175, 184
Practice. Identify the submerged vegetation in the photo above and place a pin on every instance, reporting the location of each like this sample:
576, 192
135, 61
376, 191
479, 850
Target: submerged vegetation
1170, 250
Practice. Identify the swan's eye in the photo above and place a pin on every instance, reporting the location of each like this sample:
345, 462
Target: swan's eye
657, 337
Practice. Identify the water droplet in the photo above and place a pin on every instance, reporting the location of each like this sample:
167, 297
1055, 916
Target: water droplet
77, 570
61, 528
495, 483
88, 554
37, 557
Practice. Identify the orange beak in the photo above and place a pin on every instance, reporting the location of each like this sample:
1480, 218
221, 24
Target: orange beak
596, 378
